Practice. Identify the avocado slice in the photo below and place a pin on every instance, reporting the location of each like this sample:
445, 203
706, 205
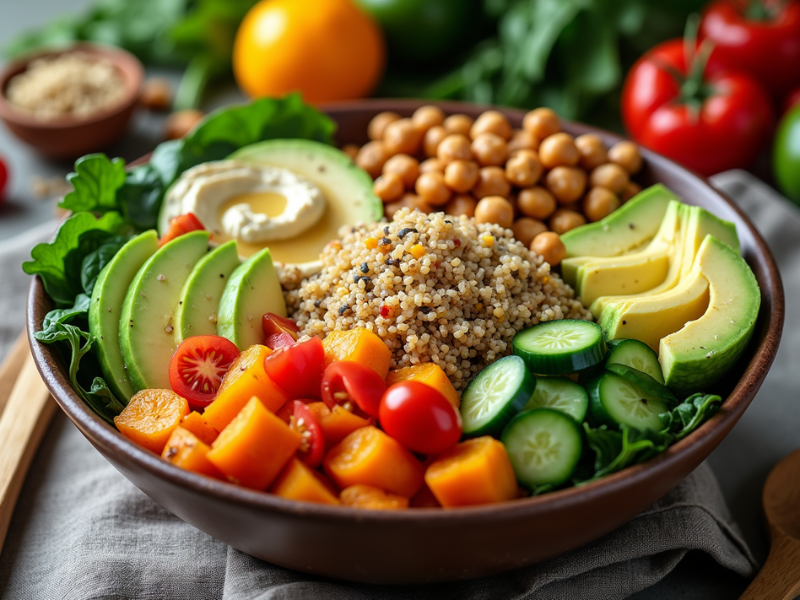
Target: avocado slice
630, 226
147, 321
252, 290
199, 302
704, 349
104, 310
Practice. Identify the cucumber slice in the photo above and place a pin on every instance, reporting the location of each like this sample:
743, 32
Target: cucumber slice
495, 395
544, 446
561, 394
560, 347
615, 401
637, 355
644, 381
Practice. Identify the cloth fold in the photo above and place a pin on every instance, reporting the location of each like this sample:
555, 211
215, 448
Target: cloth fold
82, 531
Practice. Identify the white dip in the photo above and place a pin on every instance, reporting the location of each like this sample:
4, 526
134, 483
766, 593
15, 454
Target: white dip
203, 190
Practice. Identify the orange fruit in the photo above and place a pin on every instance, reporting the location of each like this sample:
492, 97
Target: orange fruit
326, 49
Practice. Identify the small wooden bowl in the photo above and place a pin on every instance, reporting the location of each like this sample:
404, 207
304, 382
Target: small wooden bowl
429, 545
70, 137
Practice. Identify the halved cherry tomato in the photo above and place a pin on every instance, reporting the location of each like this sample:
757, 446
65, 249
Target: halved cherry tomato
180, 225
275, 324
420, 418
197, 368
3, 178
279, 340
312, 446
297, 369
351, 381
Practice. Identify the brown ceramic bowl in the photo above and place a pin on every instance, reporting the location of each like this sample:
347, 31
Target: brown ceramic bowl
70, 137
426, 545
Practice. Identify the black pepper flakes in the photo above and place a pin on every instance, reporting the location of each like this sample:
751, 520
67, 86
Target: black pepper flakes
366, 280
364, 267
425, 309
385, 242
356, 277
405, 231
317, 303
343, 309
448, 222
392, 262
386, 230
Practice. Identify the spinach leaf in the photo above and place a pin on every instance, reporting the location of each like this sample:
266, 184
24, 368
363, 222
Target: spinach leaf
95, 181
60, 262
139, 198
690, 414
94, 262
615, 450
50, 326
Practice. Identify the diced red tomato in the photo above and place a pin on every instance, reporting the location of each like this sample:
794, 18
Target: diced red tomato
275, 324
349, 381
279, 340
312, 447
198, 366
297, 369
179, 226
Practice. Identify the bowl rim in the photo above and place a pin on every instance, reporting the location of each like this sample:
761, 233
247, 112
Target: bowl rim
123, 449
131, 69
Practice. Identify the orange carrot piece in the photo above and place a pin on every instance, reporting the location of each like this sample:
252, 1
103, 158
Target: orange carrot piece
473, 472
430, 374
150, 417
298, 482
425, 499
371, 457
254, 447
245, 378
187, 451
367, 496
196, 423
358, 345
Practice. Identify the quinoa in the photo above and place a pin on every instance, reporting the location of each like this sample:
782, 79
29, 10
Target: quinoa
435, 288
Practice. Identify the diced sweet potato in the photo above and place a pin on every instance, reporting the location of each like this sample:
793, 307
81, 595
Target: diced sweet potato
425, 499
187, 451
367, 496
430, 374
358, 345
196, 423
298, 482
150, 417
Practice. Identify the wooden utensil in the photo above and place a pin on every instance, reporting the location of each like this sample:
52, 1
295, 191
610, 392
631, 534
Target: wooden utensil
779, 579
26, 412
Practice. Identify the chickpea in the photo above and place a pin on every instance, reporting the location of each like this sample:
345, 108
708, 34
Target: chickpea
541, 122
564, 220
626, 155
491, 182
599, 202
462, 204
432, 165
536, 202
407, 167
156, 94
351, 150
566, 183
432, 189
372, 157
402, 137
525, 229
458, 124
426, 117
558, 150
490, 149
611, 176
420, 204
593, 152
388, 187
461, 175
433, 137
523, 140
491, 121
630, 191
377, 126
550, 247
524, 168
179, 123
454, 147
494, 209
406, 201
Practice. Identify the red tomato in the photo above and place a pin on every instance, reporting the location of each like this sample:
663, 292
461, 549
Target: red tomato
279, 340
760, 38
420, 418
3, 178
198, 366
275, 324
709, 124
180, 225
791, 100
312, 447
351, 381
297, 369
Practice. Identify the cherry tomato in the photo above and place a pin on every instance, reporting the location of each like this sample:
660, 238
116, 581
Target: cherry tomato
3, 178
279, 340
180, 225
297, 369
420, 418
759, 37
312, 447
708, 123
275, 324
348, 381
791, 100
198, 366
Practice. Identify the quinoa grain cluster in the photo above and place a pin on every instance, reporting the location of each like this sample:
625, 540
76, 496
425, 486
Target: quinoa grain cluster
435, 288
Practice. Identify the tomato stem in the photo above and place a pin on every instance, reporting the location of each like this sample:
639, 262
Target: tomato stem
694, 89
763, 10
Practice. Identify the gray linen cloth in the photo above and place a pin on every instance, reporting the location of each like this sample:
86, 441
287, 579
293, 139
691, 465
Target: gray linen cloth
82, 531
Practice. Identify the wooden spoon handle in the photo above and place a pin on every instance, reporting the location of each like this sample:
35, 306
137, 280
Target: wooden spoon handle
23, 422
779, 579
